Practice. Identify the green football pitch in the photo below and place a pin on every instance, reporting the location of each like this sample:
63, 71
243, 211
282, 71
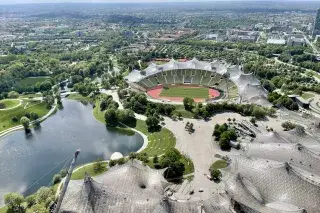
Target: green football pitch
197, 92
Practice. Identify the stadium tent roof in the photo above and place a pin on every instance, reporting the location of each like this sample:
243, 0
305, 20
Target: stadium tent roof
296, 154
245, 79
270, 137
215, 66
131, 187
261, 185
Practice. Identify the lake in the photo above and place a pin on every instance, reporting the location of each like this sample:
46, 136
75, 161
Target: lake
26, 159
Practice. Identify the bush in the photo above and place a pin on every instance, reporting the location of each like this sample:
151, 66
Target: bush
287, 125
112, 163
56, 178
63, 172
15, 119
98, 165
215, 174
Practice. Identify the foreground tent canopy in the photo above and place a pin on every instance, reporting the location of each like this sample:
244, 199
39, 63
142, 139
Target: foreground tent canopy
131, 187
276, 174
201, 73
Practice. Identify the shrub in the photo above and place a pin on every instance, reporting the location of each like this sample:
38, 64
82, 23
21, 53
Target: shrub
215, 174
56, 178
287, 125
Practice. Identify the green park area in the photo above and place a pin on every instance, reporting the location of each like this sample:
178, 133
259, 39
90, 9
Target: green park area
219, 164
90, 170
11, 117
307, 95
159, 142
79, 97
8, 103
31, 81
197, 92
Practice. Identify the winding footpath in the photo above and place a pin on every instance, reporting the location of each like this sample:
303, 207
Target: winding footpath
13, 106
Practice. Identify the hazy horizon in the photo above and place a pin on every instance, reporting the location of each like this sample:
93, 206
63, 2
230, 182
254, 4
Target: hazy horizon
133, 1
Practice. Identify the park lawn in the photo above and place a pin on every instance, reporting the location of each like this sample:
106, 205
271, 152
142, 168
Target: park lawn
197, 92
158, 142
31, 81
79, 97
31, 96
33, 106
184, 113
307, 95
9, 103
80, 174
219, 164
188, 165
3, 209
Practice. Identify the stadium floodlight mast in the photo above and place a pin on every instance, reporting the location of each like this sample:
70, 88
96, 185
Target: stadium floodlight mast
66, 182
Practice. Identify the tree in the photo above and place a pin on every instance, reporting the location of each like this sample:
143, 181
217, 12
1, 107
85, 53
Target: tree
98, 165
155, 159
38, 208
215, 174
287, 125
14, 201
25, 122
13, 94
45, 196
56, 179
31, 200
34, 116
110, 117
132, 155
188, 103
258, 112
152, 123
171, 160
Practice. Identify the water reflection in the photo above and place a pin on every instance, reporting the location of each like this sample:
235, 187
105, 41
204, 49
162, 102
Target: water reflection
24, 159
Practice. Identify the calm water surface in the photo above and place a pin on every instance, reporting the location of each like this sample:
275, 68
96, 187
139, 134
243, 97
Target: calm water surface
25, 159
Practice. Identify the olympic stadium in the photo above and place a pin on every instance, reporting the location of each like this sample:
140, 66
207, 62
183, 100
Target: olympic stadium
204, 81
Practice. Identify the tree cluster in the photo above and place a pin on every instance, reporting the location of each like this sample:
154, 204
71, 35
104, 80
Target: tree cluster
223, 134
282, 100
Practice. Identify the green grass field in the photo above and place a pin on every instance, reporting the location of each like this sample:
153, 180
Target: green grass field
31, 81
30, 96
159, 142
33, 106
185, 92
307, 95
79, 97
9, 103
219, 164
79, 174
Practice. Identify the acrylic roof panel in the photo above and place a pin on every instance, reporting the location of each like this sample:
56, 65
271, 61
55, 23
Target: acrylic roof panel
134, 76
258, 182
295, 154
245, 79
131, 187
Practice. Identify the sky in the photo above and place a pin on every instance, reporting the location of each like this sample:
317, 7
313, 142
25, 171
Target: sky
106, 1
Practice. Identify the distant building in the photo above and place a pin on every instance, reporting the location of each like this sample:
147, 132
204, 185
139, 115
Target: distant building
316, 26
279, 41
293, 42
